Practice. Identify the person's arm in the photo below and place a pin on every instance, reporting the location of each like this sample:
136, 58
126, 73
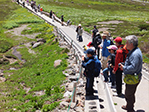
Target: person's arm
117, 61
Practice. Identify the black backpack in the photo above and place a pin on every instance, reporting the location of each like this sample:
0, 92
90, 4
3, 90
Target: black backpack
97, 40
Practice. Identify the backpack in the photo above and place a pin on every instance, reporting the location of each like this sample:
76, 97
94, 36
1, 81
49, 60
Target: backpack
97, 67
124, 52
97, 40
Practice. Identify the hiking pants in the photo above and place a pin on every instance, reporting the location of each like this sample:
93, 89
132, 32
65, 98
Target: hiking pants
89, 84
130, 96
118, 76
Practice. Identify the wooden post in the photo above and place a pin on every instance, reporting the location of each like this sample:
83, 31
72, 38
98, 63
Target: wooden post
75, 87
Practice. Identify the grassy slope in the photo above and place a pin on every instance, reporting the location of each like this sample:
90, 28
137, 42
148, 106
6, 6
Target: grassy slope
90, 12
38, 73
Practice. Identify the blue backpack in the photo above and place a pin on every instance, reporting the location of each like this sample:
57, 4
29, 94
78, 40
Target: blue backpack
97, 67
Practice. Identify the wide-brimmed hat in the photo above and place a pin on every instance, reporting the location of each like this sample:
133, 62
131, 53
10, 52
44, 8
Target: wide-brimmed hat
113, 47
79, 25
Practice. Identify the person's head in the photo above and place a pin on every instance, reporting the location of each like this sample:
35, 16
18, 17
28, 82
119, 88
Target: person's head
118, 41
90, 44
105, 35
131, 42
95, 26
90, 52
79, 25
112, 48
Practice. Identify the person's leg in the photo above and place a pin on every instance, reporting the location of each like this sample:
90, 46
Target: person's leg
112, 77
105, 74
130, 96
119, 81
98, 52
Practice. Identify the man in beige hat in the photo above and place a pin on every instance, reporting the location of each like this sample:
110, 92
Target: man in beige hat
105, 52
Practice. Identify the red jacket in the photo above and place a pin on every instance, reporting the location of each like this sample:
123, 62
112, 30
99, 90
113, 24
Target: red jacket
119, 57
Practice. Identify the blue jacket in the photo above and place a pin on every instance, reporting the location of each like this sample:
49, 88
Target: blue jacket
88, 64
105, 51
133, 63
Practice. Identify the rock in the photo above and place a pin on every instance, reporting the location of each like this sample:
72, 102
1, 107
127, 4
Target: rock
67, 94
66, 74
12, 69
2, 79
82, 97
57, 63
73, 78
39, 93
1, 74
38, 111
64, 104
68, 100
32, 43
80, 91
78, 109
41, 40
36, 44
72, 105
70, 87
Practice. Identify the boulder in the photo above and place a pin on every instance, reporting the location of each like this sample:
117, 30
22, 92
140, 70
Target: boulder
78, 109
1, 74
73, 78
72, 105
2, 79
36, 44
70, 87
67, 94
64, 104
57, 63
41, 40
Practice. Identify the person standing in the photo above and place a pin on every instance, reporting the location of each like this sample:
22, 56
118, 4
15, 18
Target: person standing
50, 14
117, 71
111, 63
80, 32
41, 10
62, 20
133, 65
105, 52
95, 30
53, 16
97, 42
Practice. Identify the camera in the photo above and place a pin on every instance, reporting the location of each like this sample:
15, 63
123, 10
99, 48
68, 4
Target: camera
121, 63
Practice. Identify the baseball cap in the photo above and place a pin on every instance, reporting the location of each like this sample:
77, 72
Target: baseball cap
118, 39
90, 43
113, 47
90, 51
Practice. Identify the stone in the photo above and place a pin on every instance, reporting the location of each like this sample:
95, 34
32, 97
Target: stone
72, 105
39, 93
12, 69
1, 74
36, 44
68, 100
57, 63
67, 94
66, 74
41, 40
82, 97
64, 104
78, 109
2, 79
73, 78
70, 87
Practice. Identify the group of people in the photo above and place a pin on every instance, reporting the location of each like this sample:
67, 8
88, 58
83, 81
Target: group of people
117, 59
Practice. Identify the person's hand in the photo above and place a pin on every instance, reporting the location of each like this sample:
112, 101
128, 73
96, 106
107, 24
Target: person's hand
99, 46
113, 72
120, 66
82, 58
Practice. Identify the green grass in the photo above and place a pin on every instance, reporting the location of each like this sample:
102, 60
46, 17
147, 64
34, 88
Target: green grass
38, 73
